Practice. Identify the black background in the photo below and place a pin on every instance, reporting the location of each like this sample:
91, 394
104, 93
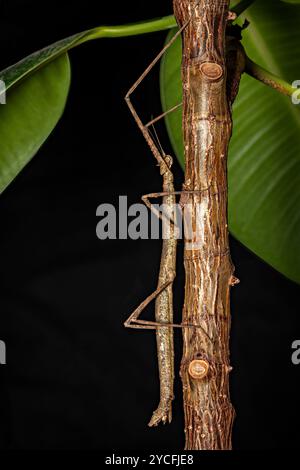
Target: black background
75, 378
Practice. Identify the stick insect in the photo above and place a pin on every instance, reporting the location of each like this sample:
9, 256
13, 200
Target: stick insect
164, 293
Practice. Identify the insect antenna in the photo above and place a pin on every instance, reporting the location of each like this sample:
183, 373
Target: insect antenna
156, 138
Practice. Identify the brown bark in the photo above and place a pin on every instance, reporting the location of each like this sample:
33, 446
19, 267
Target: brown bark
207, 128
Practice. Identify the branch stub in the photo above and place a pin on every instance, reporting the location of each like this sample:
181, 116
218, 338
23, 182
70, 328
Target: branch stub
198, 369
211, 70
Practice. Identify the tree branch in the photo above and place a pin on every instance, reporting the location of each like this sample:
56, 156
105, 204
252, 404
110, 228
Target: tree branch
207, 126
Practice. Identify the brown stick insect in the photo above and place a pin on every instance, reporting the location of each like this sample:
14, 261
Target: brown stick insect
164, 293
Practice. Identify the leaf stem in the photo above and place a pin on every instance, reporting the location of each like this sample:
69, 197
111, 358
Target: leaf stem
160, 24
268, 78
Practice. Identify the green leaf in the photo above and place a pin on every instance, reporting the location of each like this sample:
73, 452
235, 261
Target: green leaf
32, 110
36, 91
264, 155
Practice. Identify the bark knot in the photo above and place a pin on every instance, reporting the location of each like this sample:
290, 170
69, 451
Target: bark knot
211, 71
198, 369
